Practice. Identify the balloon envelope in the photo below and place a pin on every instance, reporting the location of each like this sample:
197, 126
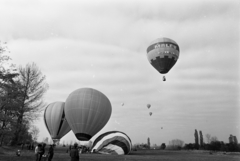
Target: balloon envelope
54, 119
112, 142
87, 111
148, 105
150, 113
162, 54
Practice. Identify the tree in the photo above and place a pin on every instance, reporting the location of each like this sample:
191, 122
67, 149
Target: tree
24, 136
189, 146
45, 140
148, 143
175, 144
10, 95
196, 139
163, 146
201, 139
33, 89
34, 131
208, 137
213, 138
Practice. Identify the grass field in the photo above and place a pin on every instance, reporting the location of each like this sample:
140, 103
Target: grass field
8, 154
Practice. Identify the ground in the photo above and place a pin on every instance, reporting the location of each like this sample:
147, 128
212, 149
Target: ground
9, 154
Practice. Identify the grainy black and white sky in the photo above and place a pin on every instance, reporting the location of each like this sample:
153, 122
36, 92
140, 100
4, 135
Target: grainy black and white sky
102, 44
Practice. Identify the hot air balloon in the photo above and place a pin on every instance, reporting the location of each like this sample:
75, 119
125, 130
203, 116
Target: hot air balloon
112, 142
162, 54
122, 104
87, 111
54, 119
148, 105
150, 113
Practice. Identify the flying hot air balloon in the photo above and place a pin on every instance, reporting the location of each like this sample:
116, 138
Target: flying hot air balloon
87, 112
54, 119
162, 54
148, 105
150, 113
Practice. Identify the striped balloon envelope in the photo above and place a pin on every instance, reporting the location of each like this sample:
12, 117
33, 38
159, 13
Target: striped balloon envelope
112, 142
54, 119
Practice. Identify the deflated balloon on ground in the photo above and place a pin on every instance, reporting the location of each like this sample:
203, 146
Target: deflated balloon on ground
112, 142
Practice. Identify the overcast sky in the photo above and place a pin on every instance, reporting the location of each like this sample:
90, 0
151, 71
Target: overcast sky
102, 45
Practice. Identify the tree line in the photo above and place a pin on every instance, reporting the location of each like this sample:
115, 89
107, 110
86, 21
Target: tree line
213, 143
21, 100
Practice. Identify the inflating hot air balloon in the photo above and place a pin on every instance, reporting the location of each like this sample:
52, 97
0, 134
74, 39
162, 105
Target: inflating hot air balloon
87, 111
54, 119
112, 142
150, 113
162, 54
148, 105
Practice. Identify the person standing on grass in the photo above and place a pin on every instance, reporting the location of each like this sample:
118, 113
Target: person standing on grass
41, 151
38, 147
50, 153
74, 153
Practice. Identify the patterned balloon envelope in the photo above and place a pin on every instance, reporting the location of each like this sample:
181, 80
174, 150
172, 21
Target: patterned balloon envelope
162, 54
112, 142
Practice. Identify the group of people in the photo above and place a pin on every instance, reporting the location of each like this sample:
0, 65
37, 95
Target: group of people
40, 152
73, 152
81, 149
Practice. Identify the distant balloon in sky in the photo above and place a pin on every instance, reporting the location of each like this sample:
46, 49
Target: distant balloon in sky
148, 105
87, 112
162, 54
54, 119
150, 113
122, 104
112, 142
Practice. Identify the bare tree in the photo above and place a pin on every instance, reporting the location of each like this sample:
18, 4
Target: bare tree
208, 137
33, 89
175, 144
45, 140
213, 138
34, 132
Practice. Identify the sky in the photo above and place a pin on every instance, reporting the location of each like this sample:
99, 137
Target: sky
102, 45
